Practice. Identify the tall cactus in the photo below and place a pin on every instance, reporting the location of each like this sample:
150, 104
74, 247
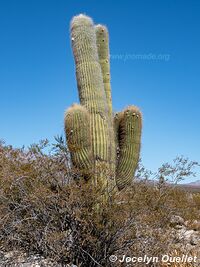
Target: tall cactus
104, 149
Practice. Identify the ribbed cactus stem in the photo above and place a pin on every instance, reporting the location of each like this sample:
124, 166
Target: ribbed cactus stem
129, 135
90, 85
88, 69
102, 40
79, 139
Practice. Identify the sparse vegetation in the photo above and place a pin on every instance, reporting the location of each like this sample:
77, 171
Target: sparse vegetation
46, 209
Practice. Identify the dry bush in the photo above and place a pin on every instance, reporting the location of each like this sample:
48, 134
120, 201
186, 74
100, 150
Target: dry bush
196, 199
46, 208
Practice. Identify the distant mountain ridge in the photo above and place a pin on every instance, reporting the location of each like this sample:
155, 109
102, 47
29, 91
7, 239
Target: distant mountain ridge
196, 183
191, 187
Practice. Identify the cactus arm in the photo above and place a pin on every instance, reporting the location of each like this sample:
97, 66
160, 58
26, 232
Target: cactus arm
79, 139
102, 41
129, 138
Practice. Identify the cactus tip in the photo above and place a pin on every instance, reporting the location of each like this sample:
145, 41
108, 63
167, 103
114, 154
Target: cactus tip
81, 20
134, 111
101, 28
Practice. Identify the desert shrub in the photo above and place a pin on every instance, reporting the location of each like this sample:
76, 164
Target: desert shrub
196, 199
46, 208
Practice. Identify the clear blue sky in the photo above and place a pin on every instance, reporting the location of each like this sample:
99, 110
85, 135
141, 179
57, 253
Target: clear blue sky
37, 75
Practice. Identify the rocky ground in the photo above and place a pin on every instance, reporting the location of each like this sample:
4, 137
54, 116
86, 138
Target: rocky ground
185, 233
18, 259
185, 237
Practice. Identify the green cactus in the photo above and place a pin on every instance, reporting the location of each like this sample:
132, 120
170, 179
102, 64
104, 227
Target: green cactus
129, 136
79, 138
104, 149
102, 41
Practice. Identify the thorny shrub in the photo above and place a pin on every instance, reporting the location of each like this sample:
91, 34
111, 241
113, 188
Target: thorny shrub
46, 208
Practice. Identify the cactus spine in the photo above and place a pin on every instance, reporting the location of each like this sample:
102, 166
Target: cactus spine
92, 137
